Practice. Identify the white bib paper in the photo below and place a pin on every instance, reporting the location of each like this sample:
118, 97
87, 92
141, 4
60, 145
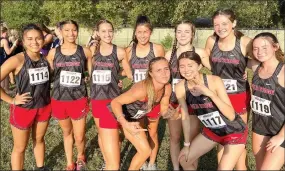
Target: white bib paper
70, 79
38, 75
260, 105
230, 85
174, 82
101, 77
139, 75
212, 120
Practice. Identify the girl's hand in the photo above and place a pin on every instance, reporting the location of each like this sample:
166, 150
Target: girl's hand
172, 113
274, 142
22, 99
184, 152
133, 127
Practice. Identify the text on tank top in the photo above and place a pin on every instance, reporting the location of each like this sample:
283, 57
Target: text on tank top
105, 75
230, 66
34, 77
209, 114
69, 76
139, 65
268, 102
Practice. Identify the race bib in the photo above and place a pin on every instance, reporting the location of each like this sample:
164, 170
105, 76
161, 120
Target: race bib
174, 82
70, 79
139, 114
212, 120
38, 75
230, 85
260, 106
139, 75
101, 77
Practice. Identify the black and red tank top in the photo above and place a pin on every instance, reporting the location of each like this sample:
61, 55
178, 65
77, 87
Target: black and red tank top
105, 76
34, 77
230, 66
267, 103
209, 114
69, 76
139, 65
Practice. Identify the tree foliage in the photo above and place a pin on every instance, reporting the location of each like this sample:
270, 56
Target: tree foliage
123, 13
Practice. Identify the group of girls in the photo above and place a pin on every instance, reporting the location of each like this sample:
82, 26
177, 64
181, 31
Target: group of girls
167, 85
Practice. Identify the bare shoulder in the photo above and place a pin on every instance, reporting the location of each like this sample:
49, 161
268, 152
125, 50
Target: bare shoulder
120, 50
158, 50
168, 55
200, 51
281, 77
245, 40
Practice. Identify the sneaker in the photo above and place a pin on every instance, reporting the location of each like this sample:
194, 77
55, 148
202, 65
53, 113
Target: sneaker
151, 167
103, 167
44, 168
71, 167
144, 166
80, 164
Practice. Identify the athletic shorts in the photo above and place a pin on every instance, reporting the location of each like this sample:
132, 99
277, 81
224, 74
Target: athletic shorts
240, 102
24, 118
106, 118
75, 109
234, 138
260, 133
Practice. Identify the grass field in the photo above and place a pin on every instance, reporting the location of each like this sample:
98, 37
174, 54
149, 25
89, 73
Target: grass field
55, 157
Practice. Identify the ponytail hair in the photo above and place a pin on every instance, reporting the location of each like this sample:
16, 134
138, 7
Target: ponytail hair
273, 40
231, 16
151, 94
141, 20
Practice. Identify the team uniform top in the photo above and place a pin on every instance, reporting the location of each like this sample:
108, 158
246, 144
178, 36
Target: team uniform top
34, 78
230, 66
105, 76
210, 116
139, 66
267, 103
69, 75
3, 55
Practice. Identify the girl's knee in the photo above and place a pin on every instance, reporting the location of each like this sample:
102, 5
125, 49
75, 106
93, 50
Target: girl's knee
19, 149
175, 139
145, 151
79, 138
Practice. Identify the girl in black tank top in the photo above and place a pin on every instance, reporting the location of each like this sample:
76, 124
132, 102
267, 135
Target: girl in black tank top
268, 103
69, 95
139, 57
104, 87
213, 108
32, 98
131, 106
184, 36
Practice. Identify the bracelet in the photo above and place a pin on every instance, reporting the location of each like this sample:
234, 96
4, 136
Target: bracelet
186, 144
118, 118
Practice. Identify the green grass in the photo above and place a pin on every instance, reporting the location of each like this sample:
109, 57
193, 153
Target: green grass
55, 157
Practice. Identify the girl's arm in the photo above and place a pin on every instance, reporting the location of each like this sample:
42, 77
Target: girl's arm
125, 62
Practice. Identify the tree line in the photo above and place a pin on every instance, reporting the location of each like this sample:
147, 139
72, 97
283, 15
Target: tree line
123, 13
